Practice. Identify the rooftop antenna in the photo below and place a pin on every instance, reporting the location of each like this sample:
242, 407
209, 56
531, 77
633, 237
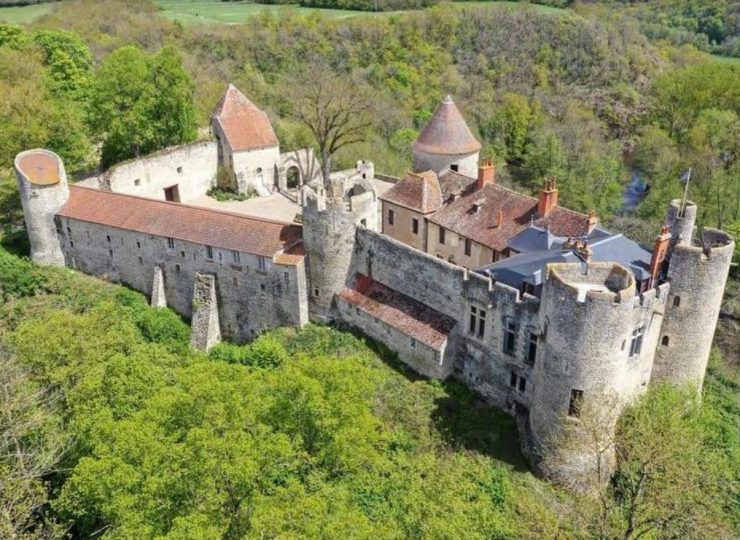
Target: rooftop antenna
686, 176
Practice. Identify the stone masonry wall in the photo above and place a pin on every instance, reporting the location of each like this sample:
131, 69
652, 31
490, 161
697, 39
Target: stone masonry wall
251, 298
191, 167
206, 329
467, 163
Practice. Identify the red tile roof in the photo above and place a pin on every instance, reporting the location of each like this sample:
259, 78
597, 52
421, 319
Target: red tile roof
417, 191
517, 212
246, 127
405, 314
446, 132
192, 224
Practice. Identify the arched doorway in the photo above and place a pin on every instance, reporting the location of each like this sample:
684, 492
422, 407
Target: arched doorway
293, 178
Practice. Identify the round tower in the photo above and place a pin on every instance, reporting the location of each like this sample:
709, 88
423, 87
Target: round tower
42, 183
681, 221
586, 318
697, 274
446, 143
331, 216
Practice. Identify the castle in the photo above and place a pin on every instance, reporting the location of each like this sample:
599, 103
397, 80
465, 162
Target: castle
536, 307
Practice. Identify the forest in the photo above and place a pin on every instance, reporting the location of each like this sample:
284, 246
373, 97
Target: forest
114, 428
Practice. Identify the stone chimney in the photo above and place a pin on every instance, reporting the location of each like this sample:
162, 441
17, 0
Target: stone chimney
548, 197
660, 253
486, 173
593, 220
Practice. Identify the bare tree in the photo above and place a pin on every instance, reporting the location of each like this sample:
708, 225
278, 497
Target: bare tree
335, 108
31, 444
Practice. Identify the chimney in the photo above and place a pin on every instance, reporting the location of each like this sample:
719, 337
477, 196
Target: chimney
486, 173
593, 220
548, 197
660, 253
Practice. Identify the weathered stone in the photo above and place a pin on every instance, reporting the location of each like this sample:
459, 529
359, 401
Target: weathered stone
159, 299
206, 329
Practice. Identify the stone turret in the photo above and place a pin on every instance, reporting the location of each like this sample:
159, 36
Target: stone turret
42, 183
585, 314
680, 221
697, 274
446, 143
331, 216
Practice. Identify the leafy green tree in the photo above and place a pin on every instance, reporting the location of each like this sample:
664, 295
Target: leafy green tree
69, 60
141, 103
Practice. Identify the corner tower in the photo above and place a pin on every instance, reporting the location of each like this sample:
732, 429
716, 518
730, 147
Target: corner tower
586, 314
331, 216
446, 143
697, 273
42, 183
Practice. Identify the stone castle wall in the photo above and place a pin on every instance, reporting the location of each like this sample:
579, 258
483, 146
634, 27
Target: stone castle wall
192, 168
250, 299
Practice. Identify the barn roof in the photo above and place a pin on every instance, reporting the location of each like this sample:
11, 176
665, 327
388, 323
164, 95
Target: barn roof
189, 223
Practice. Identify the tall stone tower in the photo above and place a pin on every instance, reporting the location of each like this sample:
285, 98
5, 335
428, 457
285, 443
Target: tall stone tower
42, 183
586, 314
697, 273
446, 143
331, 216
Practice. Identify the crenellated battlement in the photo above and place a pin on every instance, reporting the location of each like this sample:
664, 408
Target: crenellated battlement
608, 282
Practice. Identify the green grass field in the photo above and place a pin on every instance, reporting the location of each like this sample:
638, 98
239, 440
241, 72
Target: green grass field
24, 14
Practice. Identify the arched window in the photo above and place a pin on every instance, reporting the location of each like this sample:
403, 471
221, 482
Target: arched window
676, 301
293, 178
664, 341
259, 170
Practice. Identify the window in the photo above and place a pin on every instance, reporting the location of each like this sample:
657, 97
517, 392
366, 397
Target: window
316, 292
510, 338
209, 252
412, 342
235, 281
286, 277
177, 268
179, 170
477, 323
262, 262
236, 256
259, 170
137, 182
363, 222
182, 254
532, 351
110, 253
664, 341
636, 344
522, 384
141, 261
138, 245
574, 408
107, 237
455, 167
262, 287
676, 301
441, 235
71, 243
170, 243
390, 217
517, 381
414, 225
69, 230
468, 246
512, 380
220, 256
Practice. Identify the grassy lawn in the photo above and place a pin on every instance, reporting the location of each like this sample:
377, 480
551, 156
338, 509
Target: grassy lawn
24, 14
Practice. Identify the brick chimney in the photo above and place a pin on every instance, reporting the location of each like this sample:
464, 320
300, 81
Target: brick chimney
548, 197
486, 173
660, 253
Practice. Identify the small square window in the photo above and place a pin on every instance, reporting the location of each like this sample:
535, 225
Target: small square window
137, 182
107, 237
110, 253
141, 261
182, 254
179, 170
262, 287
316, 292
177, 268
455, 167
412, 342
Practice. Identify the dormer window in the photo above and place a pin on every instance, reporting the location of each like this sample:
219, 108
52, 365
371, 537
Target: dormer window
477, 205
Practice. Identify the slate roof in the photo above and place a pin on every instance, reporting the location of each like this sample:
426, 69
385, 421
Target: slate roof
530, 267
518, 212
246, 127
446, 133
401, 312
192, 224
417, 191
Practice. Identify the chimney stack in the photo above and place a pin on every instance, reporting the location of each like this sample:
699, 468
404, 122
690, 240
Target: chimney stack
486, 173
660, 253
548, 197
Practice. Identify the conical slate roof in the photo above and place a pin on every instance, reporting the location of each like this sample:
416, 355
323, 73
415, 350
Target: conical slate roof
245, 126
446, 133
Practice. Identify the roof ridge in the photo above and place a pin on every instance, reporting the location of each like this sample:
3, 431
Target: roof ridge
184, 205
